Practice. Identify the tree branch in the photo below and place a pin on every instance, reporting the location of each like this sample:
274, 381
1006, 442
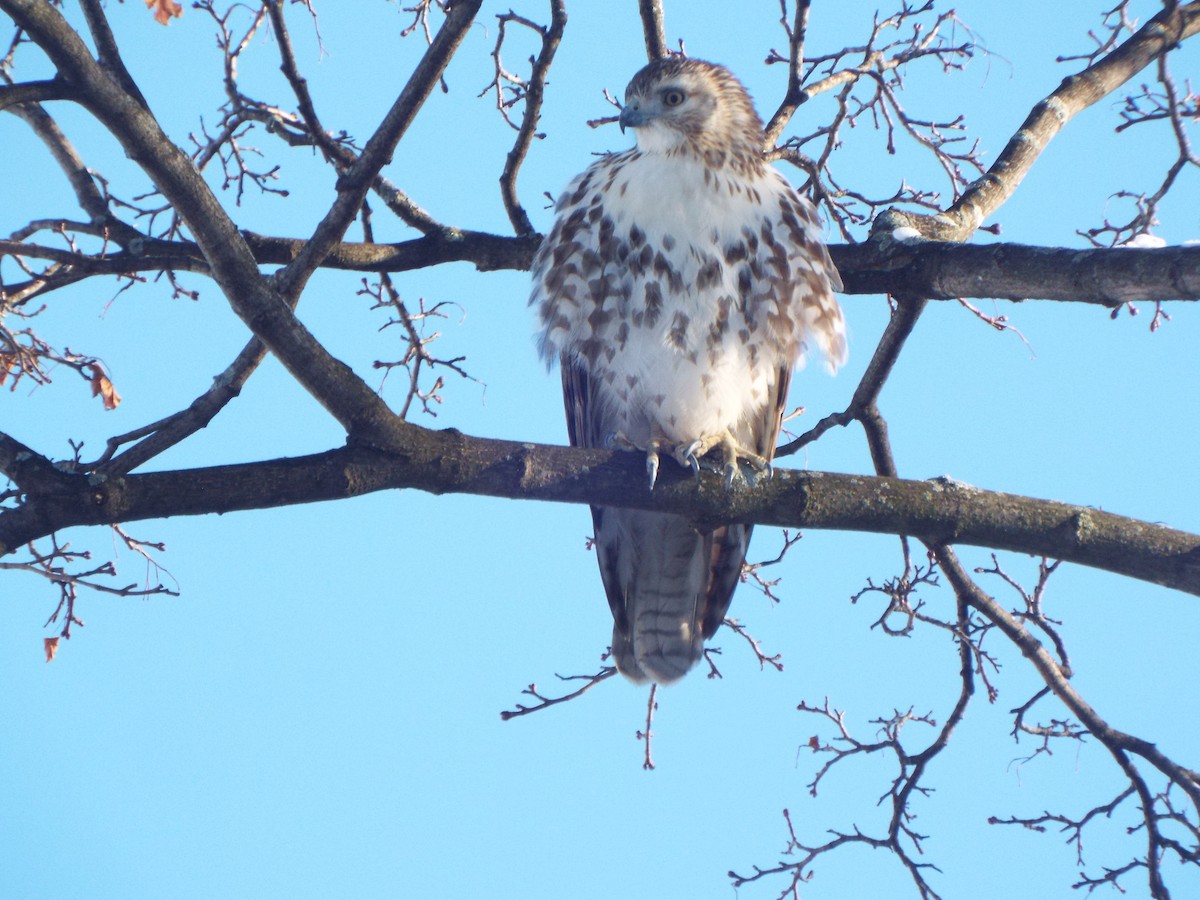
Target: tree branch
82, 182
793, 96
358, 179
108, 55
944, 271
653, 29
939, 511
531, 92
939, 271
1077, 92
1048, 668
863, 406
158, 436
256, 301
32, 92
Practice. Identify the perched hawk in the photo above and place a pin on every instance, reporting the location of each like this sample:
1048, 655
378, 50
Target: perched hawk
680, 283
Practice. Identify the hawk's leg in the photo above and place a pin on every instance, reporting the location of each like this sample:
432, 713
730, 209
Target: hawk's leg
618, 441
690, 455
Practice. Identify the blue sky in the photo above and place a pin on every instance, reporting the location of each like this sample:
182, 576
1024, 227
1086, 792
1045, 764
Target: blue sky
318, 713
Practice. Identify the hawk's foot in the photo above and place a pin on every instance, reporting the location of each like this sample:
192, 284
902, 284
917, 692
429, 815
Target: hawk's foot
618, 441
691, 454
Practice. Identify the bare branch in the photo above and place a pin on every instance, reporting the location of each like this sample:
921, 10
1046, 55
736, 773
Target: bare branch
929, 269
108, 55
1056, 679
158, 436
796, 31
1150, 106
1077, 92
653, 29
57, 565
544, 702
417, 359
862, 406
298, 82
938, 271
645, 735
752, 572
775, 662
91, 200
530, 93
356, 181
256, 301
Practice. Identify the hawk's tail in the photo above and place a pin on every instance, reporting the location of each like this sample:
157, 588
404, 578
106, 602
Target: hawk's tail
669, 586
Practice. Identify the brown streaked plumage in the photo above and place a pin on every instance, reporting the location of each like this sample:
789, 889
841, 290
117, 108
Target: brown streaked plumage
681, 282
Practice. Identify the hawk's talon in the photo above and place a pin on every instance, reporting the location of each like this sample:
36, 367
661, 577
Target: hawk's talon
688, 456
732, 474
652, 462
729, 453
617, 440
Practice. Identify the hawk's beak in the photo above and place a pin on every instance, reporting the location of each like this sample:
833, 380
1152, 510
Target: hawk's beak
632, 116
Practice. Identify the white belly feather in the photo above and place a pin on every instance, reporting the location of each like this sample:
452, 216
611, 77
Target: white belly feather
660, 196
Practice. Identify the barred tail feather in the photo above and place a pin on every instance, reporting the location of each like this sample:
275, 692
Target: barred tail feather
669, 587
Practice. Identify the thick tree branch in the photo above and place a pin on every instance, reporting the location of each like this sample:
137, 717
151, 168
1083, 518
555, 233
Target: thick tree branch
942, 271
30, 471
653, 29
32, 92
487, 252
940, 511
1105, 277
108, 54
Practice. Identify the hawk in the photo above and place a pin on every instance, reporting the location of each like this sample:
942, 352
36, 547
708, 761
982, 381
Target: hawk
680, 283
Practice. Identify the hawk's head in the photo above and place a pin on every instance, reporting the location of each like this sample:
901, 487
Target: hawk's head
688, 105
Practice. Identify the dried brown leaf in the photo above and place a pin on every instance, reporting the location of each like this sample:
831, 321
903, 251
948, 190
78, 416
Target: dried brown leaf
51, 647
164, 10
103, 388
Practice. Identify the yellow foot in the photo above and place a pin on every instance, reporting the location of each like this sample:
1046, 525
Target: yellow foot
618, 441
691, 454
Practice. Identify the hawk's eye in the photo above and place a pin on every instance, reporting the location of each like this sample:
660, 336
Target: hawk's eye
673, 97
